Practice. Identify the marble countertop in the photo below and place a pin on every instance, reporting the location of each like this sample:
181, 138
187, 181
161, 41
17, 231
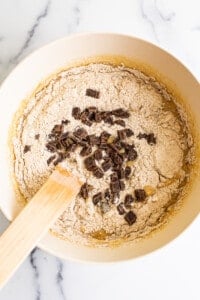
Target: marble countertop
169, 273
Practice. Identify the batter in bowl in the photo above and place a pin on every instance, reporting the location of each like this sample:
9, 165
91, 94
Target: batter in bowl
122, 134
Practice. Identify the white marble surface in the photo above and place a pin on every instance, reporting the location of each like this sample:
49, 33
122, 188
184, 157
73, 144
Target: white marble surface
170, 273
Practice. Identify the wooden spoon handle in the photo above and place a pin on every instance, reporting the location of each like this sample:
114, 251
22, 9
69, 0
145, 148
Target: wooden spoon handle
34, 221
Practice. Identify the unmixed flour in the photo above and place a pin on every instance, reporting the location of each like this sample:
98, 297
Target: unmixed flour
160, 169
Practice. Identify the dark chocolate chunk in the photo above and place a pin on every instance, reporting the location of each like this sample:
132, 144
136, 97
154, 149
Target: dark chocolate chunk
104, 136
81, 133
27, 148
151, 139
57, 129
90, 163
92, 93
98, 154
132, 154
50, 159
117, 159
93, 139
114, 177
108, 119
128, 201
122, 185
97, 117
37, 136
127, 172
85, 118
86, 151
129, 132
120, 122
51, 146
115, 187
65, 122
120, 208
140, 195
97, 198
130, 217
121, 134
76, 113
106, 165
121, 173
121, 113
64, 136
84, 191
97, 172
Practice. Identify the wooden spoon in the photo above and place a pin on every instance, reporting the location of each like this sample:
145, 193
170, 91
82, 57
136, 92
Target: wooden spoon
35, 219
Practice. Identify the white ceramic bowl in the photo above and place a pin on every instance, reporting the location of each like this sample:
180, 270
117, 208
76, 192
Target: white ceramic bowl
47, 60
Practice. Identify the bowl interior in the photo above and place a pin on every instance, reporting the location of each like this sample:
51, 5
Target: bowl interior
47, 60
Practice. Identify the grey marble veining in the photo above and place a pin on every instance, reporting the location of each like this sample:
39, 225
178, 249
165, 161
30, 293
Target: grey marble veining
175, 26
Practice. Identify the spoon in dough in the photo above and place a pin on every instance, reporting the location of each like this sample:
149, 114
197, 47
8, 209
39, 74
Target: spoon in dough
35, 219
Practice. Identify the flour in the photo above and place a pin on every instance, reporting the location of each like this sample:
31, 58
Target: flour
159, 168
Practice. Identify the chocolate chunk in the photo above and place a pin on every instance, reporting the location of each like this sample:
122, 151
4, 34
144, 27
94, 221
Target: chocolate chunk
106, 165
103, 146
97, 172
120, 208
121, 113
129, 132
27, 148
81, 133
104, 136
97, 198
85, 120
107, 195
140, 195
97, 117
84, 191
50, 159
92, 93
121, 134
86, 151
57, 129
128, 201
115, 187
109, 120
64, 136
151, 139
90, 163
127, 172
76, 113
93, 139
130, 217
37, 136
121, 173
65, 122
114, 177
117, 159
132, 154
51, 136
98, 154
122, 185
120, 122
51, 146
